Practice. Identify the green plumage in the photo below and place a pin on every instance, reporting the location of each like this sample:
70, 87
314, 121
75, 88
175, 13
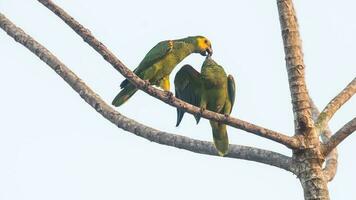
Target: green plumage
211, 89
160, 61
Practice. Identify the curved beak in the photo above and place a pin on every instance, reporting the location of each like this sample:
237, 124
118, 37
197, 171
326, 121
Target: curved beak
210, 51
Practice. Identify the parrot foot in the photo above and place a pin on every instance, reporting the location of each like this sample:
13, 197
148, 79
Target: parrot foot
169, 95
147, 84
226, 116
201, 111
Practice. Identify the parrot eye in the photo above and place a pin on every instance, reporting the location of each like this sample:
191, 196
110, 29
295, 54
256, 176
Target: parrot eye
206, 41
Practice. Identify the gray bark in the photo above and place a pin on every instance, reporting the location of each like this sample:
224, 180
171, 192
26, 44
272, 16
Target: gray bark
339, 136
197, 146
163, 96
309, 153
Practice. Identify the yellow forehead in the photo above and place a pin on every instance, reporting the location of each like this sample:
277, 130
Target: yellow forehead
203, 42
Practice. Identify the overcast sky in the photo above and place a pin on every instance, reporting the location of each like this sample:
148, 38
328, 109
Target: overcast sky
54, 146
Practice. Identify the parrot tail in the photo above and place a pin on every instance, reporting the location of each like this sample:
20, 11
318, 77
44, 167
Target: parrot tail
124, 95
221, 139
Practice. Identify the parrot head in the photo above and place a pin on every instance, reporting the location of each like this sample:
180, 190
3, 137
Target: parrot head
203, 46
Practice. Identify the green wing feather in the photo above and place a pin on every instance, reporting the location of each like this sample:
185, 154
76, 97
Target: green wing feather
231, 88
156, 53
188, 87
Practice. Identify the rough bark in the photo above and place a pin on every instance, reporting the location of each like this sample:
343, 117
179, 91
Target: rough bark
339, 136
331, 160
334, 105
309, 153
290, 142
295, 66
310, 159
197, 146
311, 175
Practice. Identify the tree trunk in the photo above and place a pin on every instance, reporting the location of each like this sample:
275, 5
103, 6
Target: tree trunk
311, 174
308, 152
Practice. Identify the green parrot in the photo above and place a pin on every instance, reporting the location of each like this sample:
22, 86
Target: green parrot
159, 62
211, 89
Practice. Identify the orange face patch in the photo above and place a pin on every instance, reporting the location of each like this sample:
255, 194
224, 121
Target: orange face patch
203, 43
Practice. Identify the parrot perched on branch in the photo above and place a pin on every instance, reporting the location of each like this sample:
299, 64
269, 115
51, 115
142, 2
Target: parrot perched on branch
211, 89
159, 62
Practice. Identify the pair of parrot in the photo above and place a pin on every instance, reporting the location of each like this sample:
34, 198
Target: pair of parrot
211, 89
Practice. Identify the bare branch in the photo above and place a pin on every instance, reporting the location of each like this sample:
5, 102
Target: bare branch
140, 84
340, 135
295, 66
335, 104
197, 146
331, 160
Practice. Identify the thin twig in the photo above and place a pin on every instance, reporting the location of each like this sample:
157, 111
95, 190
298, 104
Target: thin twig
197, 146
290, 142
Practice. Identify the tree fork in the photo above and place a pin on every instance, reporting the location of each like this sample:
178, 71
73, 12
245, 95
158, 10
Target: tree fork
309, 160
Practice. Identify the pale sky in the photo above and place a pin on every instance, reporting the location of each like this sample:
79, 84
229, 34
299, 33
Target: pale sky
54, 146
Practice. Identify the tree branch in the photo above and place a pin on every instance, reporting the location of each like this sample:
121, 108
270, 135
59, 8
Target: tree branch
340, 135
295, 66
331, 160
335, 104
290, 142
197, 146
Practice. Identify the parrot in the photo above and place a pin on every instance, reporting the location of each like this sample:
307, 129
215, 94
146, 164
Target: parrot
210, 89
159, 62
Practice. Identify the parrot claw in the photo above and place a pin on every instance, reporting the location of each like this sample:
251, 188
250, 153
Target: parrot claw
147, 83
201, 110
169, 95
226, 116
